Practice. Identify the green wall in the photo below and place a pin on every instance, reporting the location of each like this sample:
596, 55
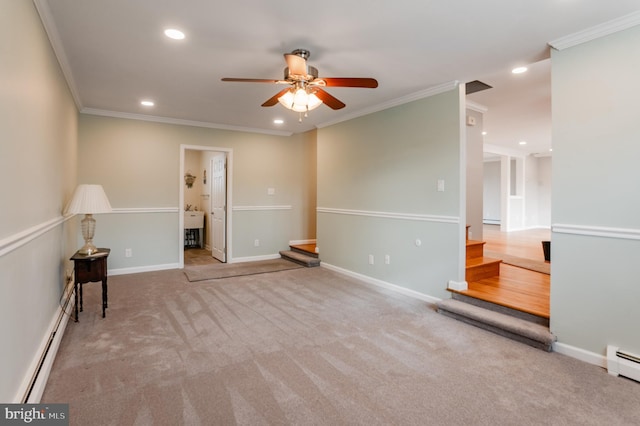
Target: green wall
377, 194
596, 179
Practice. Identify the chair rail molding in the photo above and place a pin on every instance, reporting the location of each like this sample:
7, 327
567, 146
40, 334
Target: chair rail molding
391, 215
596, 231
13, 242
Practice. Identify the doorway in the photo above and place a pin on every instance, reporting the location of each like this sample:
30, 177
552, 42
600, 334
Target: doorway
210, 171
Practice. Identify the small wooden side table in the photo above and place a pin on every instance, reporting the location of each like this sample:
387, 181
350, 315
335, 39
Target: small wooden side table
90, 268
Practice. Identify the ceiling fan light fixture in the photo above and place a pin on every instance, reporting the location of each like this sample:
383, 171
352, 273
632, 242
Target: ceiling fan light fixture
299, 100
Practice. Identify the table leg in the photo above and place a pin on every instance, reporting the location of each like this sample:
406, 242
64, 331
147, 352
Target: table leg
75, 291
104, 296
80, 297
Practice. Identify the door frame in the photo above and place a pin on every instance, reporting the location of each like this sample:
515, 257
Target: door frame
229, 213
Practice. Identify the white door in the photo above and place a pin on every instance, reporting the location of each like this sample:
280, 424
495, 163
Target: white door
218, 166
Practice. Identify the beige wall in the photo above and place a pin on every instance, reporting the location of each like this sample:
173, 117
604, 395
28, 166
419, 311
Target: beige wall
139, 168
193, 195
38, 142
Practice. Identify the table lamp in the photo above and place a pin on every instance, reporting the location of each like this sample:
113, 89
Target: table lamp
90, 200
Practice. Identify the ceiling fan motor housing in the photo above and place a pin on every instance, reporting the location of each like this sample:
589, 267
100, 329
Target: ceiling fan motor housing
312, 73
303, 53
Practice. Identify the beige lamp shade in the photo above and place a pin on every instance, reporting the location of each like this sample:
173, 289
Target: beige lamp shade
88, 199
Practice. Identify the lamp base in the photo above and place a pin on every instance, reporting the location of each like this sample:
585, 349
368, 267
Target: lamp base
88, 249
88, 230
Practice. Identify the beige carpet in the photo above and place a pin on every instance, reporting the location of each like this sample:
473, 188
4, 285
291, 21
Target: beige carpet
227, 270
309, 347
521, 262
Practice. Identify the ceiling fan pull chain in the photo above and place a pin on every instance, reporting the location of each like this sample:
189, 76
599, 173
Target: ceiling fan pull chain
300, 118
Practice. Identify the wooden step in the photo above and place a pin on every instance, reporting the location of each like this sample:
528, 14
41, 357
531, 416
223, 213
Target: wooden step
515, 288
306, 249
480, 268
475, 249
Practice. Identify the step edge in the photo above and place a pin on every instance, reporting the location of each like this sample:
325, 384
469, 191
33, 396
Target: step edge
485, 261
545, 346
506, 305
300, 258
536, 318
512, 324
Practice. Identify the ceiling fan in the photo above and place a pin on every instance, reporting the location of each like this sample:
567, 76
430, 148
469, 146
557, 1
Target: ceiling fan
305, 91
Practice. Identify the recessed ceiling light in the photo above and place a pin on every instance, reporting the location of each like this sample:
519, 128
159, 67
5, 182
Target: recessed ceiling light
278, 121
519, 70
147, 103
174, 34
484, 133
522, 142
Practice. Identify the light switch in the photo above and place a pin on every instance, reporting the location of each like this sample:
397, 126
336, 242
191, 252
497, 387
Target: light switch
440, 185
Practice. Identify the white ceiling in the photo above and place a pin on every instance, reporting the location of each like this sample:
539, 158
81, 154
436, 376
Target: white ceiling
114, 54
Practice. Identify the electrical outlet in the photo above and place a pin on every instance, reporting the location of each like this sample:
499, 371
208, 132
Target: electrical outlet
371, 259
256, 243
128, 252
387, 259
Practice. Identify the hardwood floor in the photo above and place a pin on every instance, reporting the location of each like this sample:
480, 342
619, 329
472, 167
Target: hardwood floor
516, 288
527, 244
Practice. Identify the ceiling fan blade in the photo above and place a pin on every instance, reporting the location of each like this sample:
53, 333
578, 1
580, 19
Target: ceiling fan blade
253, 80
274, 99
329, 100
370, 83
297, 65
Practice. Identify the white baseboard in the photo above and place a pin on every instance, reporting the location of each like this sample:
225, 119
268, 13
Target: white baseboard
379, 283
254, 258
458, 285
57, 325
138, 269
580, 354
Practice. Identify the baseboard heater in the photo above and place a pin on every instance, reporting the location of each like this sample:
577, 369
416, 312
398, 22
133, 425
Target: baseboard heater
620, 363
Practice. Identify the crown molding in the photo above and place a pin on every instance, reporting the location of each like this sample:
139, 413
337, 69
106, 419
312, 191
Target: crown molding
474, 106
503, 150
56, 44
602, 30
431, 91
181, 122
